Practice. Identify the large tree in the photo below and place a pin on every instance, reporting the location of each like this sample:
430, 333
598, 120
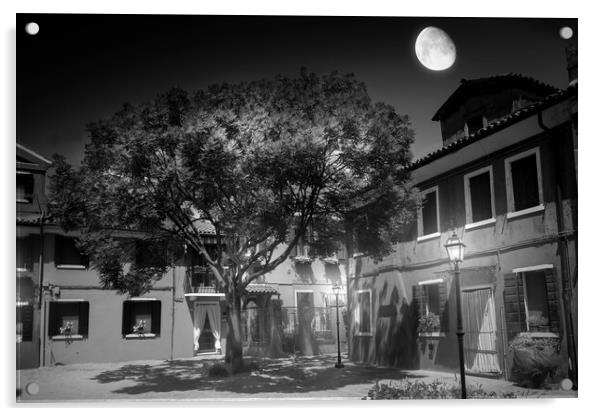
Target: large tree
258, 161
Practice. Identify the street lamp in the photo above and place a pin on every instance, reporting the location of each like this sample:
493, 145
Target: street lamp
336, 288
455, 252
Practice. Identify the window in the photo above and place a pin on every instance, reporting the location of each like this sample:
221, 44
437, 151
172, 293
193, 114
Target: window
24, 187
430, 297
67, 255
302, 248
363, 312
25, 254
474, 124
24, 321
141, 318
151, 254
68, 318
478, 191
531, 301
536, 301
428, 215
523, 182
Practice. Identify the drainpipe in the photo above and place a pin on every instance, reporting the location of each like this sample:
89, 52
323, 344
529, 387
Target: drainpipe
41, 303
564, 262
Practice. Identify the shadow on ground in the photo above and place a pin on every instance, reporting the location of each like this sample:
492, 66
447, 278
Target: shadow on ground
300, 375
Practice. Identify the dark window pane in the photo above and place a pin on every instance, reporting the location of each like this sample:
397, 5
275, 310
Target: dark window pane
474, 124
524, 183
67, 253
432, 298
480, 197
151, 254
429, 214
25, 187
537, 300
25, 253
364, 316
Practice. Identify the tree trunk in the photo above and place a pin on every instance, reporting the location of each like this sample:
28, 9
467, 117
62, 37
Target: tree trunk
234, 340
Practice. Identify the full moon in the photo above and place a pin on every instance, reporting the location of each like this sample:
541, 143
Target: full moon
435, 49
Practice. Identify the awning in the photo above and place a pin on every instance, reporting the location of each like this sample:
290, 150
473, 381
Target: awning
261, 288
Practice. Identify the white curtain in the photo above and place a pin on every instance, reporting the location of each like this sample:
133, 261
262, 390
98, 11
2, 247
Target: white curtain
214, 322
479, 322
200, 312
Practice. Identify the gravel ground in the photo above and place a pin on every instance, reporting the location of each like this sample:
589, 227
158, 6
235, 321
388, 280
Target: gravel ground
187, 379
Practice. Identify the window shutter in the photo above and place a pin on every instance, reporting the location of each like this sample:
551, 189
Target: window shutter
443, 307
419, 296
156, 317
514, 305
126, 323
84, 313
54, 319
553, 301
25, 316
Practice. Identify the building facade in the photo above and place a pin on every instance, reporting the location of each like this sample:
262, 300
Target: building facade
505, 182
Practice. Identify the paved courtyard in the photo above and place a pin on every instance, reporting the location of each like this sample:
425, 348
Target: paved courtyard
188, 379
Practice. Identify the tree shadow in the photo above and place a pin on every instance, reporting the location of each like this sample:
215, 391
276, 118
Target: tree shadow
288, 375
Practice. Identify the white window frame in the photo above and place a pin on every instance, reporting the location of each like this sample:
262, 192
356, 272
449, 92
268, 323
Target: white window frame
357, 312
468, 200
421, 236
510, 188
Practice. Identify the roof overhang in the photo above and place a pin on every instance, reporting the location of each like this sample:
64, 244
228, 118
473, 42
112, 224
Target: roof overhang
526, 128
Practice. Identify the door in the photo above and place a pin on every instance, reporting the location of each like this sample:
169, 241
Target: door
207, 327
480, 340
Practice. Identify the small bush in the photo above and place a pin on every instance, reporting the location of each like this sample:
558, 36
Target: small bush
535, 360
219, 370
411, 390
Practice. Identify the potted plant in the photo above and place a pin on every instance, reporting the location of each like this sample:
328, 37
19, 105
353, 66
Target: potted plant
139, 327
428, 323
429, 326
535, 359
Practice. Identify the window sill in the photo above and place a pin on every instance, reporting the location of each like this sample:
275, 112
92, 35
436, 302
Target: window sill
73, 337
364, 334
434, 334
541, 334
140, 336
479, 224
428, 237
526, 211
71, 266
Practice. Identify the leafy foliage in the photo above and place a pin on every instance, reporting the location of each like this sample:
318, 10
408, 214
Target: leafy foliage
248, 162
535, 360
429, 323
409, 390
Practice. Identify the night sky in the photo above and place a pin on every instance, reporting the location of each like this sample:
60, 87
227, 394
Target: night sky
82, 68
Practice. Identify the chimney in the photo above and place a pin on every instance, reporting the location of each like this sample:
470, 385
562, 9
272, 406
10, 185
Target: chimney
571, 62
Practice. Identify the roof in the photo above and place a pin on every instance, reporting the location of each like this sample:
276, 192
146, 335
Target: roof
496, 125
471, 87
32, 156
261, 288
205, 227
29, 218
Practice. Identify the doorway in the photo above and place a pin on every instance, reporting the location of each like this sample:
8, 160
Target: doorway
480, 340
207, 327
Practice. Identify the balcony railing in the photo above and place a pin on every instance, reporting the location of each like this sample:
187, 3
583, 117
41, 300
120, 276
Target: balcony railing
203, 289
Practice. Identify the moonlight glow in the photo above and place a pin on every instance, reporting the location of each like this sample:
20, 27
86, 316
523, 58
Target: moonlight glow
435, 49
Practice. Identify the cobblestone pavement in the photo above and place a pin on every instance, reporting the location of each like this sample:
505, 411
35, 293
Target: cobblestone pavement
188, 379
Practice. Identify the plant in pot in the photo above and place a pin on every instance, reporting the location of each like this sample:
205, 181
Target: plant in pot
535, 359
427, 324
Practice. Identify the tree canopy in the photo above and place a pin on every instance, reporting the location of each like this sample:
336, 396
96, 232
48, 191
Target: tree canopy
255, 163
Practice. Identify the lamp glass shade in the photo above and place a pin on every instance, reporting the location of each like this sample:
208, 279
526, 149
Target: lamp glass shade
455, 249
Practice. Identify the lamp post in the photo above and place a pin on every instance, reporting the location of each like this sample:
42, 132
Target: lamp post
455, 252
336, 289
